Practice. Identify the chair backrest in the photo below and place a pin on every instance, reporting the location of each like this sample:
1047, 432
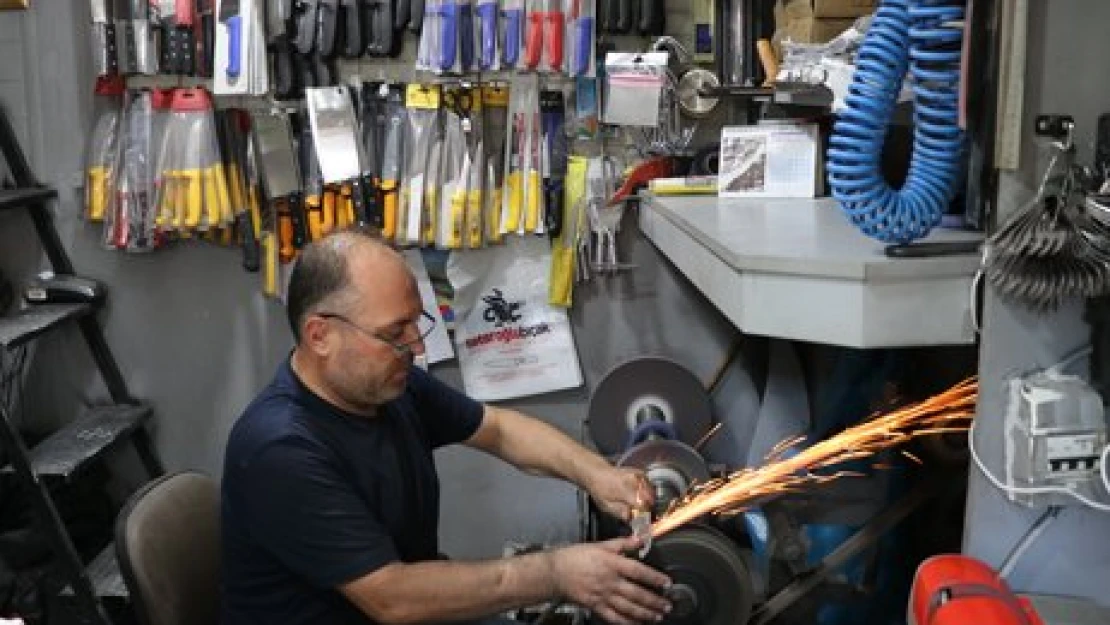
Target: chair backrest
168, 545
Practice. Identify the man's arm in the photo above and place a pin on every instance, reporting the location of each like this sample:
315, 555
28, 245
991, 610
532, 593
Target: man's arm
536, 447
621, 590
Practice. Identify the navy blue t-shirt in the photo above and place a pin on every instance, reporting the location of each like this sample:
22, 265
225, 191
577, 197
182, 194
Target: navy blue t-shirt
314, 497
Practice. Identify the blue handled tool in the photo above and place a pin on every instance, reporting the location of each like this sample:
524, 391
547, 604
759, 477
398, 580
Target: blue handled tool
449, 33
231, 18
514, 24
487, 20
466, 34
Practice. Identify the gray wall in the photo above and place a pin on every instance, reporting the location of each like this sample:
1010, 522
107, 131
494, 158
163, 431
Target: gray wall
195, 337
1066, 74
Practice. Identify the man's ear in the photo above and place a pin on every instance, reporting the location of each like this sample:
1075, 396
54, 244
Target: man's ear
316, 335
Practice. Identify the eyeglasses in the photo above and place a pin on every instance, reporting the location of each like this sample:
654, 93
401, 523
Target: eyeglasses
424, 326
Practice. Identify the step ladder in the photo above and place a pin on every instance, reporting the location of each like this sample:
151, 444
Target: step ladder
63, 457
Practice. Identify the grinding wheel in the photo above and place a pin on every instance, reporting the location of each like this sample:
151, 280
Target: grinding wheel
712, 585
644, 390
670, 466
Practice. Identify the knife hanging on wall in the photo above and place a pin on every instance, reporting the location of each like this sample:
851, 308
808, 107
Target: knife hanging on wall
327, 18
384, 38
653, 17
351, 16
305, 17
416, 15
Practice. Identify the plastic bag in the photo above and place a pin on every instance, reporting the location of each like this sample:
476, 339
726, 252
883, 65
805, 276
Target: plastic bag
510, 342
635, 88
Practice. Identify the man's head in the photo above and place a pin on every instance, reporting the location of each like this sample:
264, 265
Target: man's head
356, 317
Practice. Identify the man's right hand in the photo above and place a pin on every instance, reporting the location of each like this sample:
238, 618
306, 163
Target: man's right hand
619, 589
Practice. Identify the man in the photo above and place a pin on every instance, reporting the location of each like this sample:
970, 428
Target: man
330, 495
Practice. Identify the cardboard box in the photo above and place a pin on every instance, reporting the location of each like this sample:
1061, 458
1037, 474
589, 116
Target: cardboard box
812, 30
844, 8
823, 9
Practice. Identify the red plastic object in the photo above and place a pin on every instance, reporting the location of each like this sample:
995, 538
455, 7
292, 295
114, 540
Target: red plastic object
958, 590
110, 85
658, 167
193, 99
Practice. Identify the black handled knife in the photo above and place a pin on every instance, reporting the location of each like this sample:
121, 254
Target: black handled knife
353, 28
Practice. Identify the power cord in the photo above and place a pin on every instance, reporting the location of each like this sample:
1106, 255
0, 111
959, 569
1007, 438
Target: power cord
1035, 530
1033, 490
1102, 468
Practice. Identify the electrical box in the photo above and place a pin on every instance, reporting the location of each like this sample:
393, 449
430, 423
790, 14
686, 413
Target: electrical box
1056, 434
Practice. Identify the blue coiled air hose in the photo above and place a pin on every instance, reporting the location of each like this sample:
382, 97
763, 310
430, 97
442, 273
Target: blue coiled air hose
918, 35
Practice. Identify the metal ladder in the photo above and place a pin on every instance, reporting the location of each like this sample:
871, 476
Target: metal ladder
62, 457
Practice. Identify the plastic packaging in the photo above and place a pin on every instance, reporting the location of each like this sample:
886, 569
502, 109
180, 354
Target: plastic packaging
635, 88
101, 153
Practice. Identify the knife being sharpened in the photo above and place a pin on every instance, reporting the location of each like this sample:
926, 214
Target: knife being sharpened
641, 528
232, 19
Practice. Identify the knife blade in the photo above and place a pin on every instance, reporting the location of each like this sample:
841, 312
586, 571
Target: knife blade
232, 20
641, 528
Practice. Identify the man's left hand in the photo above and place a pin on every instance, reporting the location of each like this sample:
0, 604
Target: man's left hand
620, 490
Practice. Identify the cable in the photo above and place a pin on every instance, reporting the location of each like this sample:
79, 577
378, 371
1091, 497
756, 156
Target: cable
921, 37
1035, 530
1026, 490
1067, 361
1103, 470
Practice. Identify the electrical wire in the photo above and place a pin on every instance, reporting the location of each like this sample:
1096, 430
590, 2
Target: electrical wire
1035, 530
1026, 490
1103, 470
920, 37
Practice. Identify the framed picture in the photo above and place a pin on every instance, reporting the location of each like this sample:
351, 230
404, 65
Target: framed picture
12, 5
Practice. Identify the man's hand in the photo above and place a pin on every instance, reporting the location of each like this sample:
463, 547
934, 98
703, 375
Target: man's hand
620, 490
619, 589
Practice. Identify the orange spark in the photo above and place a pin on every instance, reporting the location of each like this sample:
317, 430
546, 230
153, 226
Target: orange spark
948, 412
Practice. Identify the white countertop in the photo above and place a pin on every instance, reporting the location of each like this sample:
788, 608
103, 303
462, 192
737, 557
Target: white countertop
801, 237
798, 269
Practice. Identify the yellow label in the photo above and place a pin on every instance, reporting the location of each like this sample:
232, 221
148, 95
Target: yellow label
431, 201
516, 199
474, 219
493, 223
455, 230
495, 95
451, 98
422, 96
535, 202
